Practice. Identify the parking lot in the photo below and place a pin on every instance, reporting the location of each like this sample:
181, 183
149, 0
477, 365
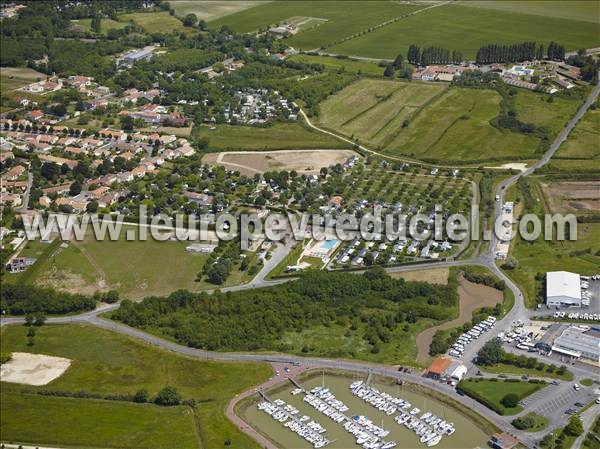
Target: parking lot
555, 400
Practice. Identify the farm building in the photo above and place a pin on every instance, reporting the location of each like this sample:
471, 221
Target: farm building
563, 288
579, 343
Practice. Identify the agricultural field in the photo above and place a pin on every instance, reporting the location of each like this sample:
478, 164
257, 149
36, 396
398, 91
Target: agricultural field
334, 64
425, 121
12, 78
466, 29
279, 136
302, 161
161, 22
109, 363
573, 9
354, 17
105, 24
494, 390
582, 145
209, 10
574, 197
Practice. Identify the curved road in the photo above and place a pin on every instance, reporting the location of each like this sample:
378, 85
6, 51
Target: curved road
518, 311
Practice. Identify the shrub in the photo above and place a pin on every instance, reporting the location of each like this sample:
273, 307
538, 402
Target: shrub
511, 400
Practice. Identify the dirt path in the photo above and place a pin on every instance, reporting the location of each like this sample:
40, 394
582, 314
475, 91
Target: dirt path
472, 296
243, 425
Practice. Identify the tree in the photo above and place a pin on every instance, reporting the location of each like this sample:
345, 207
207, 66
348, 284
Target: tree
127, 123
491, 353
168, 396
31, 332
141, 396
190, 20
389, 71
96, 24
75, 188
40, 319
510, 400
575, 426
110, 296
398, 61
92, 207
29, 319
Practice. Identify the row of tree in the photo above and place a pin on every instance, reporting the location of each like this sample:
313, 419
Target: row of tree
522, 51
433, 55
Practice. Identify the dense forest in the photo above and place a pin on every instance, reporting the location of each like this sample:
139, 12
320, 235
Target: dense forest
25, 299
257, 319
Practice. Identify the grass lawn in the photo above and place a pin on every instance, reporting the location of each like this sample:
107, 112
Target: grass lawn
353, 17
280, 136
133, 268
587, 382
573, 9
212, 9
290, 259
333, 64
106, 362
105, 24
45, 420
501, 368
466, 29
582, 145
494, 391
155, 22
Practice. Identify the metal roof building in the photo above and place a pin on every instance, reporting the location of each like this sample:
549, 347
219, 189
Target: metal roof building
577, 342
563, 289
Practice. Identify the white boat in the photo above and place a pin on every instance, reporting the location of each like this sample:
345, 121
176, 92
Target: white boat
435, 440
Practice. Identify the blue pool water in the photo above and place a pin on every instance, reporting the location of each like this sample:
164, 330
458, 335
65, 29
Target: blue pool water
328, 244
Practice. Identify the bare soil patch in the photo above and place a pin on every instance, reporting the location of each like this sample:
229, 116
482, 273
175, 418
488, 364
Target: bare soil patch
573, 196
434, 275
472, 296
33, 369
303, 161
22, 73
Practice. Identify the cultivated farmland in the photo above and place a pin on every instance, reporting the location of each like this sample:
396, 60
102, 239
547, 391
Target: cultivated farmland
424, 121
212, 9
353, 17
467, 29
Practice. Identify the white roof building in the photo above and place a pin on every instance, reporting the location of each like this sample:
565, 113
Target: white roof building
563, 289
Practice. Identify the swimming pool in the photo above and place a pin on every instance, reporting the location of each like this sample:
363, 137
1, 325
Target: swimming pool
328, 244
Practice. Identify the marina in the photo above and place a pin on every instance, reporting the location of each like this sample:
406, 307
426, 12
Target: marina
354, 422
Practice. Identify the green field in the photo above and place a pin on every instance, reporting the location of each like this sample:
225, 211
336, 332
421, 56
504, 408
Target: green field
585, 10
108, 363
212, 9
582, 146
280, 136
333, 64
353, 17
45, 420
133, 268
426, 121
154, 22
467, 29
105, 24
494, 391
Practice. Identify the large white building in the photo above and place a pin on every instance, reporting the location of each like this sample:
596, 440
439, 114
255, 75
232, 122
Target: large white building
563, 289
577, 342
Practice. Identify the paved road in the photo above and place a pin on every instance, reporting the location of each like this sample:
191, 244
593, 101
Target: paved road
588, 417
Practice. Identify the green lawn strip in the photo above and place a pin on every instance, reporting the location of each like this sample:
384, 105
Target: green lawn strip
290, 259
503, 368
491, 391
587, 382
